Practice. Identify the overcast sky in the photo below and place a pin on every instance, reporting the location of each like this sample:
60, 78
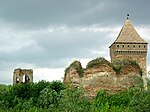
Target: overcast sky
47, 35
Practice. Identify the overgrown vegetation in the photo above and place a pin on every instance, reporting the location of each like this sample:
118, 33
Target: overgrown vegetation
55, 97
76, 65
97, 62
134, 100
117, 65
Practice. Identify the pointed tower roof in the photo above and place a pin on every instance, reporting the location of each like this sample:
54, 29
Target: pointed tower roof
128, 34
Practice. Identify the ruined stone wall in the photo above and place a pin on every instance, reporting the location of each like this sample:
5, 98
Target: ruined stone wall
22, 76
72, 76
97, 78
103, 76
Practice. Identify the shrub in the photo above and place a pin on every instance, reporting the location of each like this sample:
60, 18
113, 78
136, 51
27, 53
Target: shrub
140, 102
118, 64
97, 62
76, 65
72, 100
54, 97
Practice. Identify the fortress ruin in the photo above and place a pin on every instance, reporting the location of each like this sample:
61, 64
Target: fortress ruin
129, 51
22, 76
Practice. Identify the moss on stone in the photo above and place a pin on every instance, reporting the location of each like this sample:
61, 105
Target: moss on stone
118, 64
76, 65
97, 62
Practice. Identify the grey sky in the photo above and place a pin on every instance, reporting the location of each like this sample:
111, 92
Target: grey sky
51, 33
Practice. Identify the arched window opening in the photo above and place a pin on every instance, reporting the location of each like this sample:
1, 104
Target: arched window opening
23, 79
27, 78
17, 80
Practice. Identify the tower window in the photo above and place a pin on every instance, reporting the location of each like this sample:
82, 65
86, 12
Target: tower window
122, 45
117, 45
139, 46
144, 46
128, 45
133, 45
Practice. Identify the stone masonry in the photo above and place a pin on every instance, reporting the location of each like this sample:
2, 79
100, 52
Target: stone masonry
104, 75
129, 45
22, 76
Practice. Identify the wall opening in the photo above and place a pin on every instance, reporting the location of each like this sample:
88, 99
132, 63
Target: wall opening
17, 80
27, 78
23, 79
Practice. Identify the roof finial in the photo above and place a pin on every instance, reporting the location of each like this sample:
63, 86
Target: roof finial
127, 16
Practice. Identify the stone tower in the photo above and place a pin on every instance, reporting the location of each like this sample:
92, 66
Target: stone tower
22, 76
129, 45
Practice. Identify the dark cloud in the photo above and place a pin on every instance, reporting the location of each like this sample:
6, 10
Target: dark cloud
43, 13
37, 13
50, 49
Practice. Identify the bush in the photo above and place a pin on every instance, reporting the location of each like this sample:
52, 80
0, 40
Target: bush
118, 64
140, 102
100, 104
135, 99
73, 101
76, 65
97, 62
54, 97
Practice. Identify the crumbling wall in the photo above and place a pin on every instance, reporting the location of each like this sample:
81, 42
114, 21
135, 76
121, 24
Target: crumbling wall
73, 74
101, 74
22, 76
